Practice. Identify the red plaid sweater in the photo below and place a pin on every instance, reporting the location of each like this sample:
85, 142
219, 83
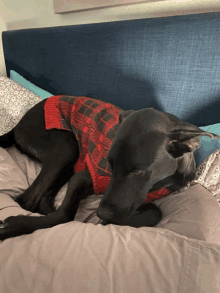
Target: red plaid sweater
94, 124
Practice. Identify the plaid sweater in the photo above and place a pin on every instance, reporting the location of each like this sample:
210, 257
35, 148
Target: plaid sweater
94, 124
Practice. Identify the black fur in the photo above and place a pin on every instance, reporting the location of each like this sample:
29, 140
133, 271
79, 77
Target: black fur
151, 150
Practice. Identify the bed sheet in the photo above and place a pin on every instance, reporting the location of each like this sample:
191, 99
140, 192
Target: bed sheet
83, 257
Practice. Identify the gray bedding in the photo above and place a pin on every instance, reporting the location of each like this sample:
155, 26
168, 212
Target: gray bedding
181, 254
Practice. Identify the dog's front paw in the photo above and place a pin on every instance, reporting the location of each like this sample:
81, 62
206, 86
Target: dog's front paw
14, 226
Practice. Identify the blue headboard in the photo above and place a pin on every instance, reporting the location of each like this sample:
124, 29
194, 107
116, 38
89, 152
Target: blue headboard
171, 64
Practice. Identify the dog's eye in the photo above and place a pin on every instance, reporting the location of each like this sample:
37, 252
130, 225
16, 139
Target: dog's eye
138, 172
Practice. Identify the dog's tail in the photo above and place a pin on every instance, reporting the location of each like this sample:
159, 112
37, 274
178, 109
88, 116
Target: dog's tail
7, 140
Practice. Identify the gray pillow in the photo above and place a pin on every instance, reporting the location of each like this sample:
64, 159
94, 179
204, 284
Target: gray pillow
194, 213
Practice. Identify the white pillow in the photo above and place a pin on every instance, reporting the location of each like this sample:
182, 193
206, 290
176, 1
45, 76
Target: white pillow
15, 101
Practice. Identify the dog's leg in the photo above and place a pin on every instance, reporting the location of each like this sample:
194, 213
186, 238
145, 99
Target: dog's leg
147, 215
58, 152
53, 176
56, 171
79, 185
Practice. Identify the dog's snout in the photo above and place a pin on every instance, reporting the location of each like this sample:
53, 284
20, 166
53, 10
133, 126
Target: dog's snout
105, 213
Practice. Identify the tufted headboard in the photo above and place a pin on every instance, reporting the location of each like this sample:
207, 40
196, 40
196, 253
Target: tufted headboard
171, 64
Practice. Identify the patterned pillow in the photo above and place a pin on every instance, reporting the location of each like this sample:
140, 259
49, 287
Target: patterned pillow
15, 101
208, 174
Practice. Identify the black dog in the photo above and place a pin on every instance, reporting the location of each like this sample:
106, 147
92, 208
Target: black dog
151, 150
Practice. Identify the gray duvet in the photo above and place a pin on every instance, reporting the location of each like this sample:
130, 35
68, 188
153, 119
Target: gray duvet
181, 254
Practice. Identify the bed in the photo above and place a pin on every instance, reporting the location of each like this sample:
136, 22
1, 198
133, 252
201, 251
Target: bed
171, 64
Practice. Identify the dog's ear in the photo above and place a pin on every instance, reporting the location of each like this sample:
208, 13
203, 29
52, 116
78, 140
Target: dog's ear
186, 139
124, 114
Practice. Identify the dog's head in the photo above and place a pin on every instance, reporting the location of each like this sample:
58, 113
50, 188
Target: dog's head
150, 146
